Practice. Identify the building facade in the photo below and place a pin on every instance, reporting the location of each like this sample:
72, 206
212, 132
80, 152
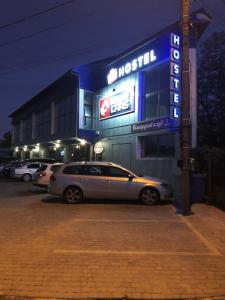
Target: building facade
124, 109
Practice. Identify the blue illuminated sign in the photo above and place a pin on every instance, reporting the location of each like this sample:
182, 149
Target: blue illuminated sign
131, 66
149, 54
175, 76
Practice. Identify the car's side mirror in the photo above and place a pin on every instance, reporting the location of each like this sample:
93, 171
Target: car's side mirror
130, 177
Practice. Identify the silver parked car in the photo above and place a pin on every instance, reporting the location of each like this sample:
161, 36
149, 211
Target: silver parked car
105, 180
25, 171
41, 177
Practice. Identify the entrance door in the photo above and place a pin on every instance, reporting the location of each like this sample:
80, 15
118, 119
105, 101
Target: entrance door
121, 154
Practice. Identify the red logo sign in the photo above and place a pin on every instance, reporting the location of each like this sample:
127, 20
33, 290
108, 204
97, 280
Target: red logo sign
104, 107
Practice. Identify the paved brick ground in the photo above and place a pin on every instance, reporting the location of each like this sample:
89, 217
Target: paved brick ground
107, 250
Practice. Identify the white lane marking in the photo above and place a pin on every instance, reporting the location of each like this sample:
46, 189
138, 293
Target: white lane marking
212, 250
208, 245
128, 220
62, 251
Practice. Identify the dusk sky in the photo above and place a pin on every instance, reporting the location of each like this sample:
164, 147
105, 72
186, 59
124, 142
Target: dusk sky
41, 40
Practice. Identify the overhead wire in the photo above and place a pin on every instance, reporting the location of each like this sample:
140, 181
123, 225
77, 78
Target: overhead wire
50, 59
28, 36
36, 14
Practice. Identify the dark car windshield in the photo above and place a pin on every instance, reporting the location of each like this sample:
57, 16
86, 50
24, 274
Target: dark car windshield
42, 168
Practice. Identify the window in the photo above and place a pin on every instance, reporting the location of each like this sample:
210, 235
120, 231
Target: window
54, 168
64, 112
42, 168
27, 129
88, 110
33, 166
157, 92
93, 171
151, 105
43, 123
87, 115
16, 131
116, 172
74, 170
157, 145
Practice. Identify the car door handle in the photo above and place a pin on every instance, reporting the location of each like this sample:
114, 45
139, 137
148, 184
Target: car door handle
109, 181
83, 180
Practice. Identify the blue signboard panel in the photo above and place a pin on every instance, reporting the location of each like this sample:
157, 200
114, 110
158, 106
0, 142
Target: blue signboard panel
151, 125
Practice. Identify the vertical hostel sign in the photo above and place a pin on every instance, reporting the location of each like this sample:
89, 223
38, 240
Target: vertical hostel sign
175, 76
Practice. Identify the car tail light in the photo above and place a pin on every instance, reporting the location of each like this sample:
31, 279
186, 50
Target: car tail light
52, 178
42, 174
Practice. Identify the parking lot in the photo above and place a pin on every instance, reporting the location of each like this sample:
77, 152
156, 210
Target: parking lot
107, 249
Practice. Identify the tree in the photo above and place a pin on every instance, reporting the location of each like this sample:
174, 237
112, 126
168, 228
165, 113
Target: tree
211, 92
7, 139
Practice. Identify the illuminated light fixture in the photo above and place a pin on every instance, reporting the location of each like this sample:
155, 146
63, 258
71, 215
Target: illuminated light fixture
25, 148
16, 149
77, 146
54, 148
37, 148
82, 142
57, 144
98, 148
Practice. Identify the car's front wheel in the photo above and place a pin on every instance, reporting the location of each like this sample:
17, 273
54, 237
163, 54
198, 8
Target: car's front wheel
27, 177
73, 195
149, 196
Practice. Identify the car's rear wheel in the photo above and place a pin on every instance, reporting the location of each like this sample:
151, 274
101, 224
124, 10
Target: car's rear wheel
73, 195
27, 177
149, 196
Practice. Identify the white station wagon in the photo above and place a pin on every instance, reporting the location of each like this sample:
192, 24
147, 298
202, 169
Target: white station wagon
105, 180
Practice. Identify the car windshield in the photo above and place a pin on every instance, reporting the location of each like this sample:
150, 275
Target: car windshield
42, 168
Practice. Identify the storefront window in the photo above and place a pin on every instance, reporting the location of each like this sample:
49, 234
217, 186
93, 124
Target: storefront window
157, 145
157, 95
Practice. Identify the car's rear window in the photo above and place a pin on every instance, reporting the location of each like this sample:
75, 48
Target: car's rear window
54, 168
75, 170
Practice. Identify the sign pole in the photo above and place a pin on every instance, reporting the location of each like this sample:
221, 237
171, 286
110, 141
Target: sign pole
185, 118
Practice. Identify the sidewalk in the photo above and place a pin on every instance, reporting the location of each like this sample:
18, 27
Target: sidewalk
181, 258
